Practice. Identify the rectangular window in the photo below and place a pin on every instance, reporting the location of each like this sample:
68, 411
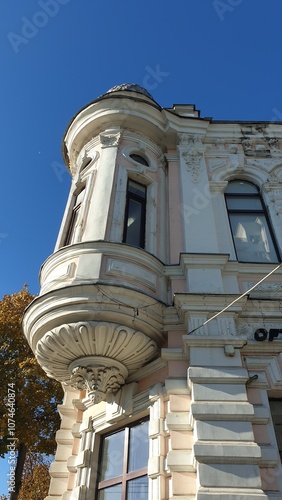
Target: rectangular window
252, 238
135, 214
250, 228
124, 460
71, 234
276, 413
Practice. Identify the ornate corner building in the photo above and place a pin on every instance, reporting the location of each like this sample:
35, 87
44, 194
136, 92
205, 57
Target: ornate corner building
160, 308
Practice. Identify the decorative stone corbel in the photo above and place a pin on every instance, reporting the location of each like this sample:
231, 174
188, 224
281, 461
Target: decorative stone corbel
110, 138
98, 381
94, 356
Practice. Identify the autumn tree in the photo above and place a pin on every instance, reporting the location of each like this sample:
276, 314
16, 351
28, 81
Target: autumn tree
36, 478
28, 398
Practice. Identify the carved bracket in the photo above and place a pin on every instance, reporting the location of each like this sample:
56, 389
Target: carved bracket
99, 381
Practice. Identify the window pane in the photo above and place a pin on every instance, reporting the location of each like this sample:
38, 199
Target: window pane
238, 187
137, 489
138, 446
134, 222
112, 456
139, 159
276, 413
252, 238
243, 203
111, 493
136, 188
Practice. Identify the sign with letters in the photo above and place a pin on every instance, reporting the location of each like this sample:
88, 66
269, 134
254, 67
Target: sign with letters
262, 334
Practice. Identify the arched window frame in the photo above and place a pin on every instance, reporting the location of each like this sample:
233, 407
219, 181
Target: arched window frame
261, 246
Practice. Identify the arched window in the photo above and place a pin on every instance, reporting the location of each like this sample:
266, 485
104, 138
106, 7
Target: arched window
139, 159
251, 231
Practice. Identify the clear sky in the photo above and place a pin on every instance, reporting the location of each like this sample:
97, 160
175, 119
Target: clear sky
58, 55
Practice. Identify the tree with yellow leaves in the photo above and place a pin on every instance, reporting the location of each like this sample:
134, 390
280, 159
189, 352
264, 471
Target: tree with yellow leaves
36, 478
28, 398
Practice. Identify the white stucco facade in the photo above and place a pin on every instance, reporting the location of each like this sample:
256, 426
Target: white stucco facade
128, 330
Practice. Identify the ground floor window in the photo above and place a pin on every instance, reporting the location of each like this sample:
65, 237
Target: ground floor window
123, 463
276, 413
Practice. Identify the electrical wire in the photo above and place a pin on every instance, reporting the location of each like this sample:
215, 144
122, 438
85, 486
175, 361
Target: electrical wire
236, 300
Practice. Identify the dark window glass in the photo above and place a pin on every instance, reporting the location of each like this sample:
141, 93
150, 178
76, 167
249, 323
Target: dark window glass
71, 234
124, 459
139, 159
86, 161
276, 413
135, 214
251, 231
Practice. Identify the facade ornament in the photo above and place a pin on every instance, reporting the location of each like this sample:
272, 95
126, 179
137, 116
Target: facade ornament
104, 344
274, 146
220, 144
247, 144
98, 381
192, 155
110, 138
163, 162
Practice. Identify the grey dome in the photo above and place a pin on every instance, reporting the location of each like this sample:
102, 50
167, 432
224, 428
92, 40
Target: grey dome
132, 87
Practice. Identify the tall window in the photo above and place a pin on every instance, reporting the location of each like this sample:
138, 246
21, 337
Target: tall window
135, 214
124, 460
276, 413
250, 228
71, 234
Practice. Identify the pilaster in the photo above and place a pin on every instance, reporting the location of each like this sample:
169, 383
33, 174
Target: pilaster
224, 447
102, 195
61, 476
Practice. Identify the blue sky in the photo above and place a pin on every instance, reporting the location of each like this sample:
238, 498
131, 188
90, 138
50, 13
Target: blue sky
58, 55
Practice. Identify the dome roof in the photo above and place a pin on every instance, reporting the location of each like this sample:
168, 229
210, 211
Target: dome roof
132, 87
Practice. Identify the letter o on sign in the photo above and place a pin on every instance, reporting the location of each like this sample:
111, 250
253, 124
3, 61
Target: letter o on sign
260, 334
